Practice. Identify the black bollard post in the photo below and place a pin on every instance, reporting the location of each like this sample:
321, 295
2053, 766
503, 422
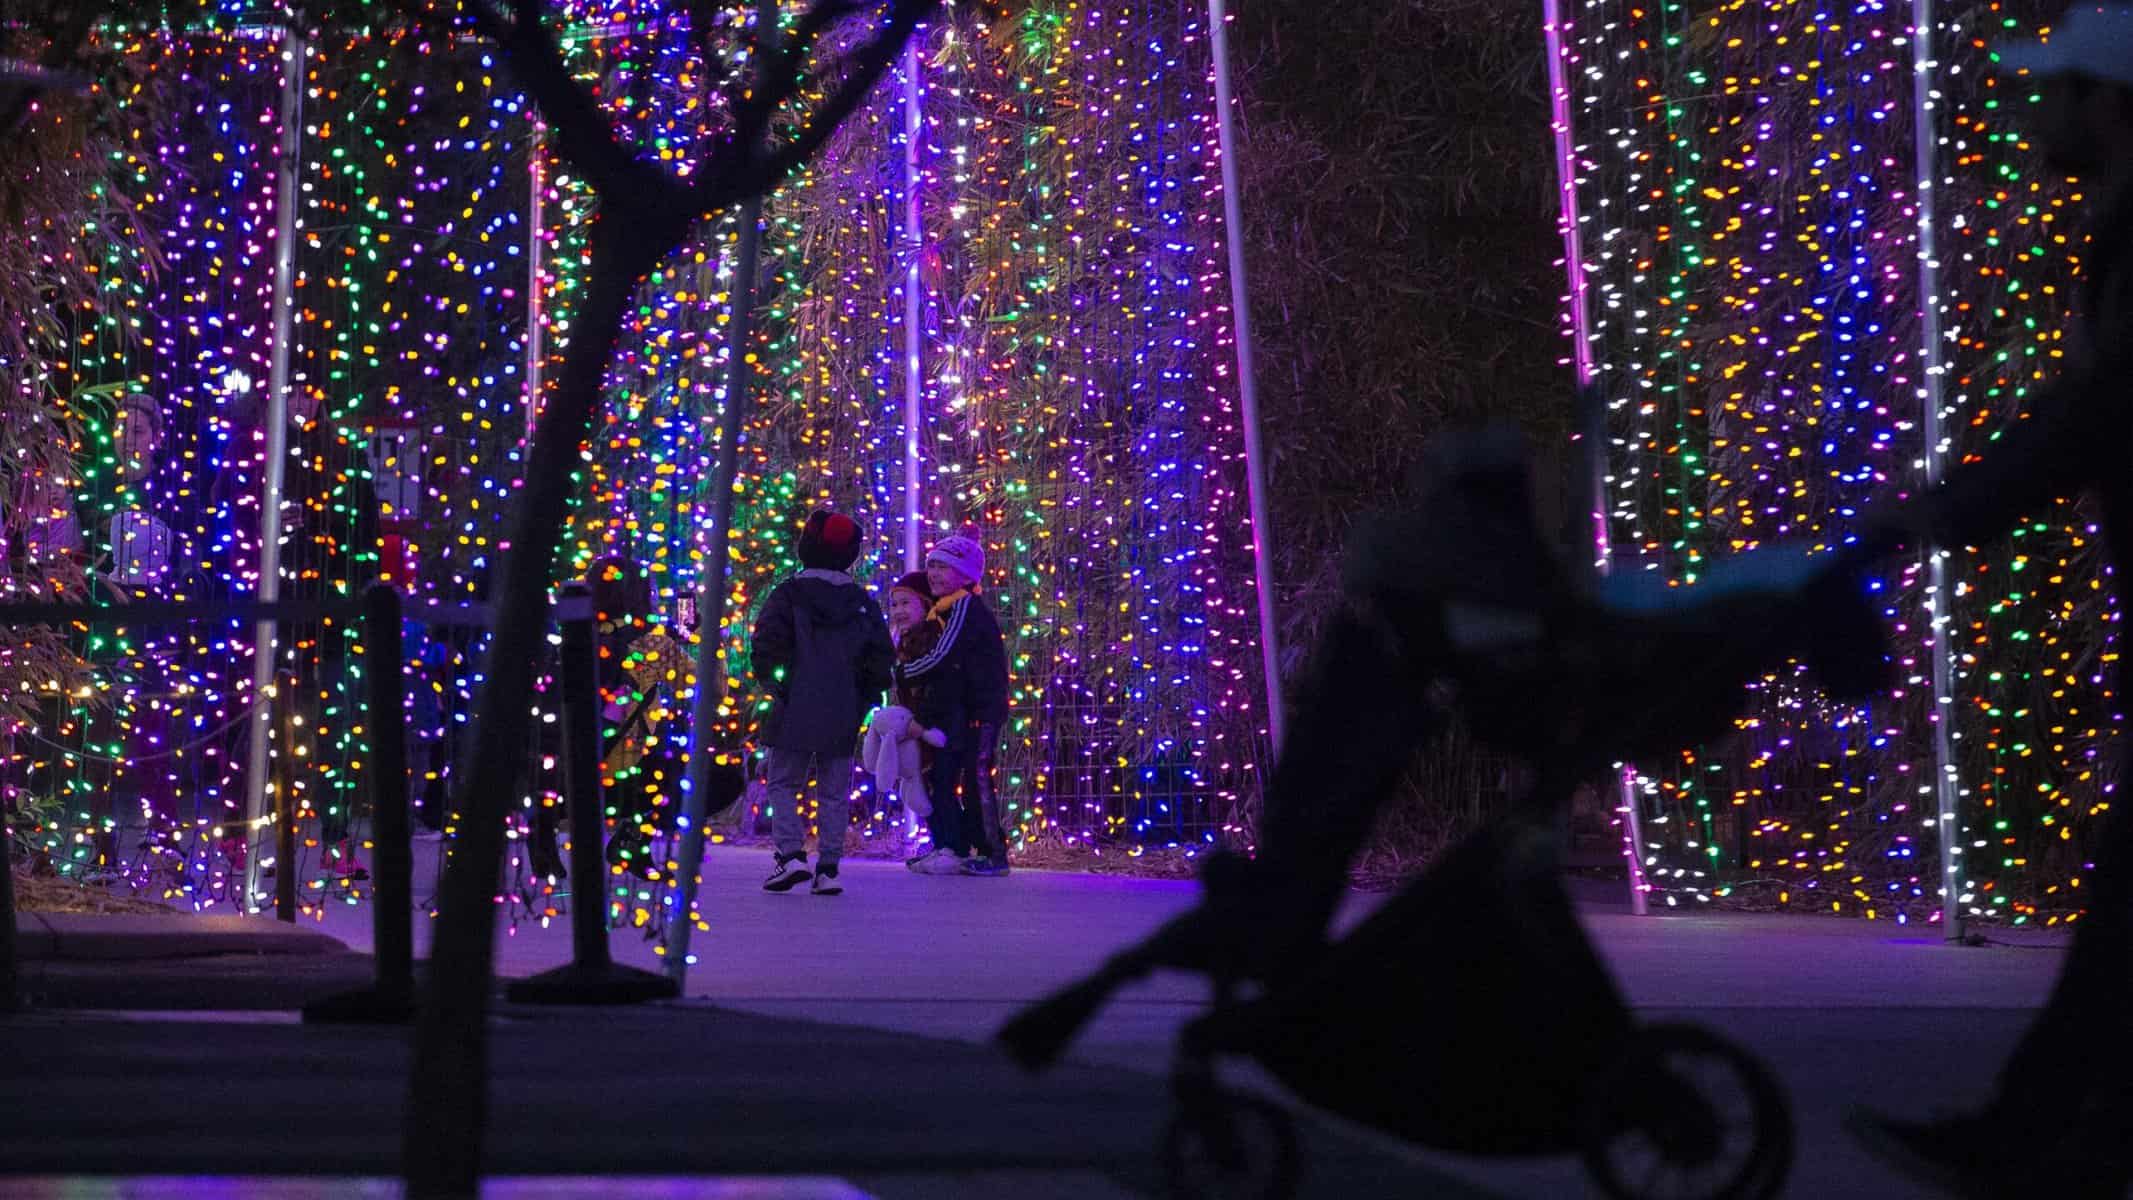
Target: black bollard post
592, 977
284, 833
392, 998
10, 994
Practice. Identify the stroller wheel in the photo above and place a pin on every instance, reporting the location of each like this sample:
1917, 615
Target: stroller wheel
1223, 1146
1686, 1114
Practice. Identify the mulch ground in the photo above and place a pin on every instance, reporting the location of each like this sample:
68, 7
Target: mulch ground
45, 893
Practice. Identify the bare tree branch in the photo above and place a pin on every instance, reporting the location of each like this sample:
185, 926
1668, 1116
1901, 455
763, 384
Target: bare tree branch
705, 17
584, 136
742, 167
65, 47
779, 76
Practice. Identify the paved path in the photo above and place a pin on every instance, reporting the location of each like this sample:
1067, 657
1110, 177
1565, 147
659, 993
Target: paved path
1845, 1011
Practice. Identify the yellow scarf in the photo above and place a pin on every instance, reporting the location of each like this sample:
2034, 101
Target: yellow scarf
939, 612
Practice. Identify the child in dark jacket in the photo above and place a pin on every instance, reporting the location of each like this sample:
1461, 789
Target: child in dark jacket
822, 650
902, 737
964, 677
916, 632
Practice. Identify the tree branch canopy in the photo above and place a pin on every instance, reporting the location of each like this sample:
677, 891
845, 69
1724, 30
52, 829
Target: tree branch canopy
65, 46
743, 166
584, 136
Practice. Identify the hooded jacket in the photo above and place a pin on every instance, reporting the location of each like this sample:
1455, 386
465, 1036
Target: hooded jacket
821, 649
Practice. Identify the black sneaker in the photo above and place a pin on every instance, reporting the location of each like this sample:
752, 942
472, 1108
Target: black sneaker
827, 883
790, 873
988, 867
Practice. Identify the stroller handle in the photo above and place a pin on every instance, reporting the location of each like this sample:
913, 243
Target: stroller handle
1037, 1036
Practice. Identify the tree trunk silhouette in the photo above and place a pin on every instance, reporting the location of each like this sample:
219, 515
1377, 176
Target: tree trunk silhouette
448, 1093
644, 215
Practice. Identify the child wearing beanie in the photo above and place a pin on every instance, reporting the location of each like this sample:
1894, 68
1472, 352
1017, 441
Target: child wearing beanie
822, 651
964, 676
901, 737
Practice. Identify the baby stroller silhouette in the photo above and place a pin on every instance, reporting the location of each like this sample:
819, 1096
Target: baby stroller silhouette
1470, 1013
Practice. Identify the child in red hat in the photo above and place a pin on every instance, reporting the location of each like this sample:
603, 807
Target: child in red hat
822, 650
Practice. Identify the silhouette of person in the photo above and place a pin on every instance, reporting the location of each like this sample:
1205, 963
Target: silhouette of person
2061, 1121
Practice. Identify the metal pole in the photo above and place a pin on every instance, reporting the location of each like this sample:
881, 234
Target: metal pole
1247, 390
535, 169
10, 987
592, 976
711, 598
914, 342
581, 778
264, 646
1947, 792
284, 839
391, 997
393, 903
1593, 423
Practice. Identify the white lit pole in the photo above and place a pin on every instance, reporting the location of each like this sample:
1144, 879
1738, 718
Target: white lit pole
914, 309
537, 177
1247, 393
1595, 428
1947, 792
264, 643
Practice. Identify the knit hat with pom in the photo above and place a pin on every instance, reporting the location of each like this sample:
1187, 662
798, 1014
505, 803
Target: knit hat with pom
830, 542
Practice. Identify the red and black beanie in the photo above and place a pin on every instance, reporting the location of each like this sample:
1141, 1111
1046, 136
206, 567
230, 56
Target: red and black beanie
830, 542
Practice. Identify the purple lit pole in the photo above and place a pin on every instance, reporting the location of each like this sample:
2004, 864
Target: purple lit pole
1247, 393
914, 339
1594, 434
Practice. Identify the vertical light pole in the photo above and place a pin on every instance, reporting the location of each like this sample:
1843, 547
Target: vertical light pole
1947, 792
914, 307
265, 645
1593, 422
1247, 391
537, 177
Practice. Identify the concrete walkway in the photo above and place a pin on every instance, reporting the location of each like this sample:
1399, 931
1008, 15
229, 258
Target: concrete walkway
1844, 1011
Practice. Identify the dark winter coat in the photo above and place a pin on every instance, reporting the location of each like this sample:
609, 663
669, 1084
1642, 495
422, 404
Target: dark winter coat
963, 678
821, 649
932, 707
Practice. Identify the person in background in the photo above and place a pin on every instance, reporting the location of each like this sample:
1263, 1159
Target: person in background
965, 674
2060, 1123
821, 648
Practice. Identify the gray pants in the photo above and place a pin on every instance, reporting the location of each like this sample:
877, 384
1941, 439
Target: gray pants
789, 773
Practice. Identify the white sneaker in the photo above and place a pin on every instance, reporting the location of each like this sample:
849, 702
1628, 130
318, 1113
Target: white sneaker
790, 873
827, 883
940, 862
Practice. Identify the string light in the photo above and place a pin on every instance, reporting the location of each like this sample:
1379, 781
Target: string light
1079, 415
1750, 241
